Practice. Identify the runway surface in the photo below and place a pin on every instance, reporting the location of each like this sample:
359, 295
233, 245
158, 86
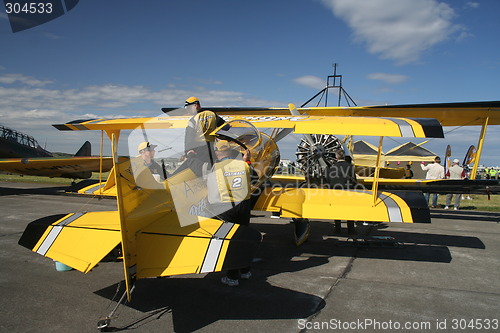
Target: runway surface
442, 277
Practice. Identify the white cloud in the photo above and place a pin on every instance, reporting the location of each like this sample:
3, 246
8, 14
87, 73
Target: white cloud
311, 81
388, 78
400, 30
473, 4
30, 107
13, 78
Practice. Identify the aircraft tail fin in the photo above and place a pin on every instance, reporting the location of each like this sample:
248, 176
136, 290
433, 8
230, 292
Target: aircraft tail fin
138, 207
85, 150
104, 188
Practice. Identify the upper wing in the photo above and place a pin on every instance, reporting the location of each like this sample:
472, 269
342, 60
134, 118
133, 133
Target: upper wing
448, 114
398, 127
75, 167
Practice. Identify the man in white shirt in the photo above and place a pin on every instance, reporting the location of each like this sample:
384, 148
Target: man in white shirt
455, 172
434, 171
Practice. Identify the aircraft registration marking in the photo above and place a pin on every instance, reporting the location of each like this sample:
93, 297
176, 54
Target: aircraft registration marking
256, 119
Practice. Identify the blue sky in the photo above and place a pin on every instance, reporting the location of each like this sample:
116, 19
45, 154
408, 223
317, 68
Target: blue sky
126, 58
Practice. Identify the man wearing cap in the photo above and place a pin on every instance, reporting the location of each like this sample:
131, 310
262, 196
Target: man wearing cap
198, 140
229, 194
147, 154
434, 171
454, 172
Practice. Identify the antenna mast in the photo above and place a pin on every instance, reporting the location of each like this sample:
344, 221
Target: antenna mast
333, 85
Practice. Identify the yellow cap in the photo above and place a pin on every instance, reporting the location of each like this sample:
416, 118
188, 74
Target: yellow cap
222, 145
191, 100
144, 145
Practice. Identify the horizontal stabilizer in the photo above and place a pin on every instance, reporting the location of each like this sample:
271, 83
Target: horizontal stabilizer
165, 249
94, 187
79, 240
353, 205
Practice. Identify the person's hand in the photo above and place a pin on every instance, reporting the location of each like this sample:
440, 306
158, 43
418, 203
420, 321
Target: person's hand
246, 155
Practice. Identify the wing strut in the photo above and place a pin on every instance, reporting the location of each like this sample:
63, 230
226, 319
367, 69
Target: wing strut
100, 162
377, 171
479, 148
123, 227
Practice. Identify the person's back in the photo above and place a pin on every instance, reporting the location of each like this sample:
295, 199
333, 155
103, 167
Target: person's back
230, 181
434, 170
199, 128
456, 172
198, 138
341, 175
228, 185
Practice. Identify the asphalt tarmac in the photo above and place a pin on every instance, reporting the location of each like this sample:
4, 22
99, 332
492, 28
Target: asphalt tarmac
439, 277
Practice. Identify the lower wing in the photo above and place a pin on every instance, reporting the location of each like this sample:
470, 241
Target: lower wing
75, 167
353, 205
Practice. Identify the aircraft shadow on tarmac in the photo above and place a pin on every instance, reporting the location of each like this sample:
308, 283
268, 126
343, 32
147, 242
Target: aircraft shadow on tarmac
50, 190
467, 215
410, 246
198, 302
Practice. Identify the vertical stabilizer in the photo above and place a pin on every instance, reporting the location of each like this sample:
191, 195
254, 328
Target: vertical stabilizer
85, 150
140, 202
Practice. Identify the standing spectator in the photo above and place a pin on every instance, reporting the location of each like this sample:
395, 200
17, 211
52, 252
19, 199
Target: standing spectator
434, 171
455, 172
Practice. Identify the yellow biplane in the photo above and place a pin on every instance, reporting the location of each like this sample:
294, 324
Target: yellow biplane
165, 226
